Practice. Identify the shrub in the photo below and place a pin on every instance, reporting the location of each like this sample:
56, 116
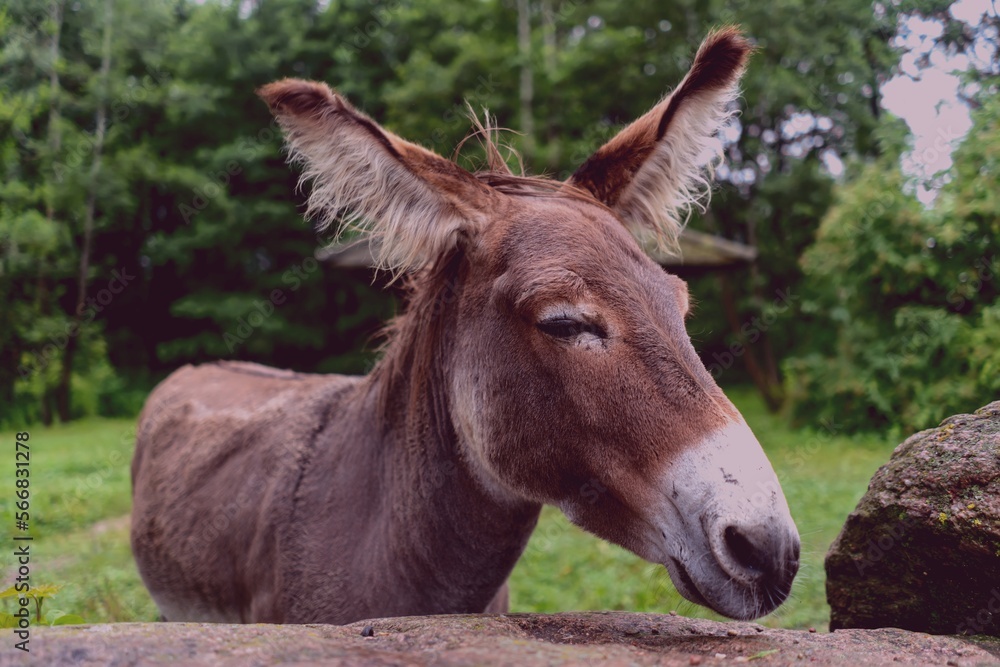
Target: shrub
903, 301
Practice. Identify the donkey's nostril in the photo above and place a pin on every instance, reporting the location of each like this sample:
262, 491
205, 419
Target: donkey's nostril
753, 558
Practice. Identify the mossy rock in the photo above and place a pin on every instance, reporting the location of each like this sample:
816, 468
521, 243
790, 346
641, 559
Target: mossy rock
922, 549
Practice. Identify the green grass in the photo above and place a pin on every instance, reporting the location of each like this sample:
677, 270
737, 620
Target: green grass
80, 499
81, 494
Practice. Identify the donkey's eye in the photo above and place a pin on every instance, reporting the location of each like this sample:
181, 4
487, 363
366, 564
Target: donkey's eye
565, 327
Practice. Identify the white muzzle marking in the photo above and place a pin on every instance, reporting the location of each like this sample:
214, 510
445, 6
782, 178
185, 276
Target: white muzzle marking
729, 539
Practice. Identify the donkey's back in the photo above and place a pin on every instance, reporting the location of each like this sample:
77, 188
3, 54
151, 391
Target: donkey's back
218, 453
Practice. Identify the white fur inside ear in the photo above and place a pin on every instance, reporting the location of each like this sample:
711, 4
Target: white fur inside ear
677, 176
359, 184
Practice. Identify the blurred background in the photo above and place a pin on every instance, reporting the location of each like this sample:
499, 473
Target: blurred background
147, 217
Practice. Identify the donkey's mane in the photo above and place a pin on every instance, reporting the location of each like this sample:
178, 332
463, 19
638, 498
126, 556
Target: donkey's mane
413, 343
534, 186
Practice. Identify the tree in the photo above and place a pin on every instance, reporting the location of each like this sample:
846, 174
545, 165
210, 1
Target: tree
193, 208
67, 186
30, 224
101, 126
904, 301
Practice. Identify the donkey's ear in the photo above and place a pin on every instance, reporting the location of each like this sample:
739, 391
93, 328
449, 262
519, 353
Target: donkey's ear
654, 170
413, 201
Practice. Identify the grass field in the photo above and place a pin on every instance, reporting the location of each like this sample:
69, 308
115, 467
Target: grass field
80, 503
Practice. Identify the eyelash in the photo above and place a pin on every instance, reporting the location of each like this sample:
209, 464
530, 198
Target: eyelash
566, 327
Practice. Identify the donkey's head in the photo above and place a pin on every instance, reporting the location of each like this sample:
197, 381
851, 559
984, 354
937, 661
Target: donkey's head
568, 374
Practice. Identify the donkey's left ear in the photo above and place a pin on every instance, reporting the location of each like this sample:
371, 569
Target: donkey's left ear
655, 169
415, 203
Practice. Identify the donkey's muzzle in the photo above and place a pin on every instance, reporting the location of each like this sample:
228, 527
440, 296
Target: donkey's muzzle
758, 555
734, 546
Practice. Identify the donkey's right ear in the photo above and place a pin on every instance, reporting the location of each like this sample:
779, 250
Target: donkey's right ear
413, 201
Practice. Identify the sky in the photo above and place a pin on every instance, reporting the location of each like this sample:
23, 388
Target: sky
927, 98
924, 93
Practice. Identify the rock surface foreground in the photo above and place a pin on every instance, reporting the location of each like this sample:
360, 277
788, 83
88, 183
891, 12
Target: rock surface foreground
521, 640
922, 549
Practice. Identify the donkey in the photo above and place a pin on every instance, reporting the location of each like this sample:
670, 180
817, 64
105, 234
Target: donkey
542, 358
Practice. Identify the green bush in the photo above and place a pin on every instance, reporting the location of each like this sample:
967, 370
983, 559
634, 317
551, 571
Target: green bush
97, 389
903, 301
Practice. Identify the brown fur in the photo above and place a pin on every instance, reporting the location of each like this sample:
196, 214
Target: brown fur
270, 496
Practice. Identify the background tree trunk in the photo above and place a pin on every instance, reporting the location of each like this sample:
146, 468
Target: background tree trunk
64, 392
769, 390
772, 389
550, 49
527, 87
54, 144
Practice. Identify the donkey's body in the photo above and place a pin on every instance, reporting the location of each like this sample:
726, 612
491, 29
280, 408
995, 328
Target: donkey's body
287, 503
542, 359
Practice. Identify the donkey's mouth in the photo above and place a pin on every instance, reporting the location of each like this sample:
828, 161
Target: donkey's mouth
686, 586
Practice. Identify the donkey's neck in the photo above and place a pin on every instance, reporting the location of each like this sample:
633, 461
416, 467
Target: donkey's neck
447, 542
452, 540
445, 533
